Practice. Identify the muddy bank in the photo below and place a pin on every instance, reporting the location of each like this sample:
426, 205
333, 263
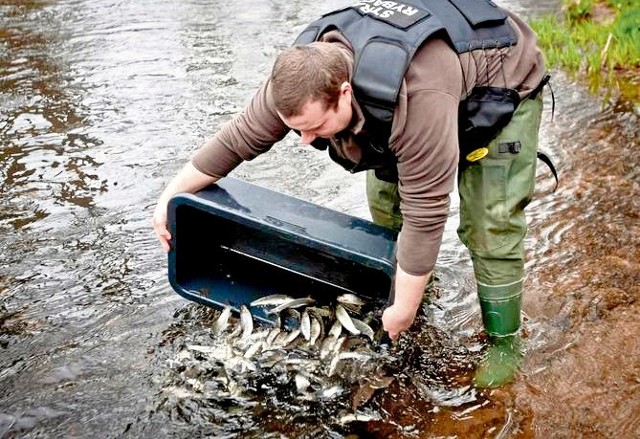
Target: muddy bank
592, 384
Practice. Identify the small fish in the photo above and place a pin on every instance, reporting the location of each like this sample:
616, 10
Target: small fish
258, 335
344, 356
295, 303
279, 339
196, 385
291, 337
246, 321
363, 328
183, 355
272, 300
233, 388
310, 365
367, 389
236, 331
254, 349
239, 365
327, 346
345, 320
223, 320
336, 329
320, 312
350, 299
339, 344
202, 349
302, 383
219, 352
330, 393
380, 382
315, 330
273, 333
351, 417
305, 325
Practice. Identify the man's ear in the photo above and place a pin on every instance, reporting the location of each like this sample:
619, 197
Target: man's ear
345, 87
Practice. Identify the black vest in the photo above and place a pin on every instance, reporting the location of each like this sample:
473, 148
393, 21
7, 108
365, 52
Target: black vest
385, 36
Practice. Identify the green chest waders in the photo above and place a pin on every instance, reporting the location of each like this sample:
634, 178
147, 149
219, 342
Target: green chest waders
494, 191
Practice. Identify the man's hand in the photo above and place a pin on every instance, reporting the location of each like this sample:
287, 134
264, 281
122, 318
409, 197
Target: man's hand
189, 179
398, 318
159, 223
407, 297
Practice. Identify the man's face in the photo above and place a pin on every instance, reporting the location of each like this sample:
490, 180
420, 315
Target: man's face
317, 120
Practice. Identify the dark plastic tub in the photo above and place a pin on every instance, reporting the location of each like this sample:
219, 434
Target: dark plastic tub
234, 242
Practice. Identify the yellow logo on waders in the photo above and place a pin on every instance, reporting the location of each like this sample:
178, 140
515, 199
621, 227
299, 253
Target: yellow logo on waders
477, 154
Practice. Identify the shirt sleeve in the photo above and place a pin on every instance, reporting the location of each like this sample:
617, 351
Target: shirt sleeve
249, 134
425, 141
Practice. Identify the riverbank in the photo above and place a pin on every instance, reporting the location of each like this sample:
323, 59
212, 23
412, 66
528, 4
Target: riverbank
595, 41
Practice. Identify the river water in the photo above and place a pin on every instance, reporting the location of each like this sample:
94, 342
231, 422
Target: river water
103, 101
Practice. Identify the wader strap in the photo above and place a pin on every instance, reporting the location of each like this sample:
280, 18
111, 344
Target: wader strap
541, 155
553, 102
547, 161
538, 90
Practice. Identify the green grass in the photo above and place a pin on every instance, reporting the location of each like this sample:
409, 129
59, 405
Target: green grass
595, 39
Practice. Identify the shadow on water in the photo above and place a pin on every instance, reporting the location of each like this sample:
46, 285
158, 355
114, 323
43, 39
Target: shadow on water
101, 102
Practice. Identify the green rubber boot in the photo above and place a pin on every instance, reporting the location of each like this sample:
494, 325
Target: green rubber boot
500, 363
501, 317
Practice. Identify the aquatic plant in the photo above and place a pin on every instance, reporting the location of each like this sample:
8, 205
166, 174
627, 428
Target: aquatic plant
597, 40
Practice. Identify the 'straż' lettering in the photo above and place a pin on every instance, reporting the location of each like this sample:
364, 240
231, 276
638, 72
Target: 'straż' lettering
385, 9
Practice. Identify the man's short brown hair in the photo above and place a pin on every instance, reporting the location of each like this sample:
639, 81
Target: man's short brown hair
311, 72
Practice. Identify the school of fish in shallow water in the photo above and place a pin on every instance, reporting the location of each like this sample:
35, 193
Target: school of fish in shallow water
312, 352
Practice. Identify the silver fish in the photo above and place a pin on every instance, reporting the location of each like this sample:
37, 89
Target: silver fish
345, 320
327, 346
259, 335
196, 385
315, 330
336, 329
223, 320
310, 364
280, 338
360, 417
236, 331
272, 300
254, 349
184, 355
302, 383
320, 312
246, 320
291, 337
343, 356
330, 393
233, 388
273, 333
269, 358
350, 299
239, 365
305, 325
295, 303
340, 342
363, 328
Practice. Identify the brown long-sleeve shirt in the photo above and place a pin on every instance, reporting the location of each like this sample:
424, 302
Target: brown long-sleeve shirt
424, 134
